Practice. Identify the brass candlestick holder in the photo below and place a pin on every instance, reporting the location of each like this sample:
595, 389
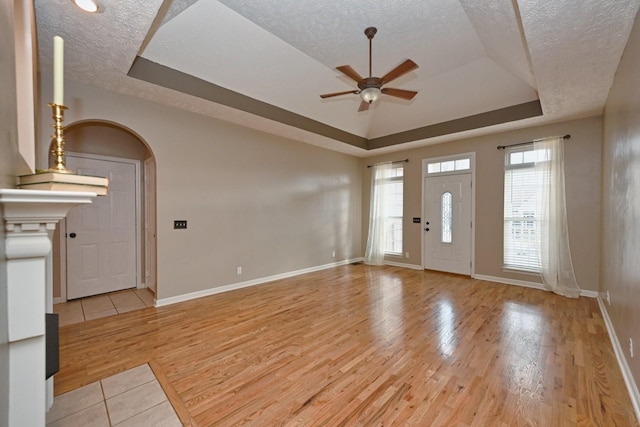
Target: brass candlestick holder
58, 137
58, 177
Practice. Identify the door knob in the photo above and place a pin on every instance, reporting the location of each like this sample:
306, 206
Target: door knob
426, 229
72, 235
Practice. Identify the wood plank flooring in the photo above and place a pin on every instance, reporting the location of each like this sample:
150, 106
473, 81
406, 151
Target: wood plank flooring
370, 346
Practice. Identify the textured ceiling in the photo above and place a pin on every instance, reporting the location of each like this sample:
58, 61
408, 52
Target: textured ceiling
474, 58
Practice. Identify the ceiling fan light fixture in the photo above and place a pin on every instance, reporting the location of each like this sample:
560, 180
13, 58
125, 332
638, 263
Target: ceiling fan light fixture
370, 94
90, 6
370, 88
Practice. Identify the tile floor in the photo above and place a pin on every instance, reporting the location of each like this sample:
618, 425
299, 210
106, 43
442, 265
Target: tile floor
89, 308
130, 398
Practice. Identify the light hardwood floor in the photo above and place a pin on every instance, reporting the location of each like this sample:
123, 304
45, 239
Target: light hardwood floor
372, 346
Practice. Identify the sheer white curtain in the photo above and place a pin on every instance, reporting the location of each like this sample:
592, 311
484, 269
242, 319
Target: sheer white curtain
556, 267
374, 253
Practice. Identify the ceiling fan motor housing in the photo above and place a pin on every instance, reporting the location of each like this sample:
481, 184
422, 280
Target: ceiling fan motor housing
370, 82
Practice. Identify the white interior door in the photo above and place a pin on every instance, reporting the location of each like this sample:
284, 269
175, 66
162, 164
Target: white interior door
101, 237
447, 223
150, 223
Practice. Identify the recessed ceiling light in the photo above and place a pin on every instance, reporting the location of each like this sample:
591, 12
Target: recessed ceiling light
87, 5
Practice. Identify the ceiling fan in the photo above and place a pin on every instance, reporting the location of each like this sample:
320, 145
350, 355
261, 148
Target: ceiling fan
370, 88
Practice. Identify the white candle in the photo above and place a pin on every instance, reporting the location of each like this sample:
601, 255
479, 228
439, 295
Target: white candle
58, 70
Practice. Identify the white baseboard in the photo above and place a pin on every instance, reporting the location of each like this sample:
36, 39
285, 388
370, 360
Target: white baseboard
217, 290
403, 265
506, 281
523, 283
632, 387
589, 294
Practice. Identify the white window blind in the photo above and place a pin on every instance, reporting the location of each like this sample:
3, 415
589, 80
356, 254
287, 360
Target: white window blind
521, 217
393, 184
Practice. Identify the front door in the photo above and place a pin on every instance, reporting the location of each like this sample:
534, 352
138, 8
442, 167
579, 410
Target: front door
447, 223
101, 237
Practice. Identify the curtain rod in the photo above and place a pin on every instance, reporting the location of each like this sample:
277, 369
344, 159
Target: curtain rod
502, 147
384, 163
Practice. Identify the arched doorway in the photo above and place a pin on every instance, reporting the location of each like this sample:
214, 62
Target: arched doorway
111, 144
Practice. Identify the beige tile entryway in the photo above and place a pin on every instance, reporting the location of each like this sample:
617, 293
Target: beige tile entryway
130, 398
89, 308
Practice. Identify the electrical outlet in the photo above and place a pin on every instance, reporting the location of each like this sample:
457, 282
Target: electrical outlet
406, 254
631, 347
180, 224
608, 298
333, 254
239, 270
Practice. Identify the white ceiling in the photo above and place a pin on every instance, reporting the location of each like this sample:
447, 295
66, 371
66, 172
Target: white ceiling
473, 57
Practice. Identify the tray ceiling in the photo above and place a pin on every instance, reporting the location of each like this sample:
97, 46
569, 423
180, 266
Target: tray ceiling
483, 66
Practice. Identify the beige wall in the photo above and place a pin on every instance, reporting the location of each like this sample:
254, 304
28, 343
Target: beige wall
271, 206
251, 199
104, 139
621, 201
582, 164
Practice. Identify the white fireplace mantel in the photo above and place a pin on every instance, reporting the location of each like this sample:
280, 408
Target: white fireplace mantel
29, 217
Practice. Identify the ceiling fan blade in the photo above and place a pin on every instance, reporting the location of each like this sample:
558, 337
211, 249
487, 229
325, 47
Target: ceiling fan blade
400, 70
399, 93
364, 106
329, 95
350, 72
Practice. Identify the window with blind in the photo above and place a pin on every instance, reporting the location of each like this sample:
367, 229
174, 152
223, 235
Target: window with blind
393, 185
521, 218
